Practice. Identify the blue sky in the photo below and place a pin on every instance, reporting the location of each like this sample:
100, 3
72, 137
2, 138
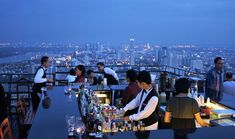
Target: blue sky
115, 21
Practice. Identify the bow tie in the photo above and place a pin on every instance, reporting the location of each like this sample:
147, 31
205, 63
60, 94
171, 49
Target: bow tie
144, 91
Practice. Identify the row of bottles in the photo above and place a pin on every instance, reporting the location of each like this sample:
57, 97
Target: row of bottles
102, 117
193, 93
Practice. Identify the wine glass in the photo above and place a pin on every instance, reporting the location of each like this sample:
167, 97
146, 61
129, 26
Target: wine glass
70, 120
66, 89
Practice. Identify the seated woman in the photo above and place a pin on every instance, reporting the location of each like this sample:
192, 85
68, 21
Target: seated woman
80, 73
91, 79
181, 110
132, 90
3, 104
71, 77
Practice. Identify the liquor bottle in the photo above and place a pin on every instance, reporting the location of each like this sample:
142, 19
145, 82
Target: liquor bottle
91, 124
98, 125
114, 110
129, 127
139, 125
108, 125
135, 128
114, 127
126, 125
142, 127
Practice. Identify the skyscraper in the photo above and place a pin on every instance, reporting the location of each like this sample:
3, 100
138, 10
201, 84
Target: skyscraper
132, 58
164, 56
157, 56
132, 52
132, 44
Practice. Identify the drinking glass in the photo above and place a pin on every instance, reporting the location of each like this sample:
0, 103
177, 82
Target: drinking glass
79, 127
70, 120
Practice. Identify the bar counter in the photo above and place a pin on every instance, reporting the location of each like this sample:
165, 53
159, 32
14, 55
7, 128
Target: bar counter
50, 123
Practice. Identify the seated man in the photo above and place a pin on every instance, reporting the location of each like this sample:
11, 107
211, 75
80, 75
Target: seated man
111, 75
146, 103
229, 85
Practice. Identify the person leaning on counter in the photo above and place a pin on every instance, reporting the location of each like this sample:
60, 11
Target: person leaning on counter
181, 111
146, 102
40, 81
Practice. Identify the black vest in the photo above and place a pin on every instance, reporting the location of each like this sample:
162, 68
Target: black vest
37, 86
153, 118
110, 79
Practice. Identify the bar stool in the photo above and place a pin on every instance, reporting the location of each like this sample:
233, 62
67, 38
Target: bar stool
5, 129
24, 88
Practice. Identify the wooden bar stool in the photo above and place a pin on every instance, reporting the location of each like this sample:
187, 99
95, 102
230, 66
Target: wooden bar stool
6, 129
24, 118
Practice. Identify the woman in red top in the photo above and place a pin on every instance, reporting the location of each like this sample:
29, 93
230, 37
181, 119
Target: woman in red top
131, 90
80, 73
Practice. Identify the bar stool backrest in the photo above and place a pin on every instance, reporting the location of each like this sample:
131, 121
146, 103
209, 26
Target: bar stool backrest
1, 133
21, 110
6, 129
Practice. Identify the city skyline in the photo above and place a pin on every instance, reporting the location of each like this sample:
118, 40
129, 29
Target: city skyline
207, 23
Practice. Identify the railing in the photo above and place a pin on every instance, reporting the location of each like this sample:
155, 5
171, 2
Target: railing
11, 80
62, 71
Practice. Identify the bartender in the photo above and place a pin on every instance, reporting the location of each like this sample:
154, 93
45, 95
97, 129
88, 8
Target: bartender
40, 81
146, 102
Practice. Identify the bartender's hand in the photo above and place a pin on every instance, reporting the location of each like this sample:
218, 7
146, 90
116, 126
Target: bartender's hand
50, 80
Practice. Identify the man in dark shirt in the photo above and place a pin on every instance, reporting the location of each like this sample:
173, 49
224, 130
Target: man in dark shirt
214, 81
132, 89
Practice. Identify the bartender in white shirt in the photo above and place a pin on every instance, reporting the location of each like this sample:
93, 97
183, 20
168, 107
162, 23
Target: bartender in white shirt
146, 102
40, 81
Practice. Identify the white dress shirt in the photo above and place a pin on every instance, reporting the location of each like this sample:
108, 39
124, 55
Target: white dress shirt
111, 72
38, 77
229, 87
146, 112
71, 78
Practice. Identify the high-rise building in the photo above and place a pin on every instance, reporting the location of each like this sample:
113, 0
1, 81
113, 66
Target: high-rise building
119, 55
164, 56
157, 56
132, 52
132, 44
86, 60
132, 59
